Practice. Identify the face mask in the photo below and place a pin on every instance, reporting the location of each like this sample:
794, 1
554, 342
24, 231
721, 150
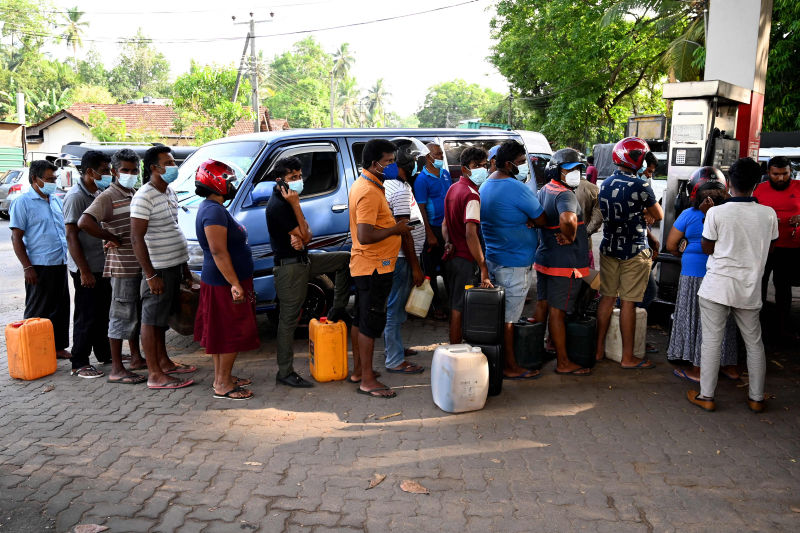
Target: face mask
231, 194
127, 181
522, 171
438, 163
296, 186
47, 188
413, 172
170, 174
573, 178
390, 171
478, 175
104, 181
640, 172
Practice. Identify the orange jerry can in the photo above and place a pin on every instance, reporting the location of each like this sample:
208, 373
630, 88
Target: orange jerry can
31, 348
327, 349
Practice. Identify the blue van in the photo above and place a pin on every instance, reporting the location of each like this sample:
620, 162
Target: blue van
331, 162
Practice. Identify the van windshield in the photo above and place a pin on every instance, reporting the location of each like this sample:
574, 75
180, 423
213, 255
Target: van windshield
239, 155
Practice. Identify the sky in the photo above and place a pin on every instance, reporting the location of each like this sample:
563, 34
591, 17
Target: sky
411, 53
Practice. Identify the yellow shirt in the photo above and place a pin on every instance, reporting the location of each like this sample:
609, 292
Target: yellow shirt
368, 205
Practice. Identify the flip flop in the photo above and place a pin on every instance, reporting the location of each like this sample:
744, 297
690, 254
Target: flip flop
644, 364
369, 392
576, 372
173, 385
227, 395
354, 381
681, 373
527, 375
239, 382
408, 352
408, 369
650, 348
143, 367
180, 368
133, 379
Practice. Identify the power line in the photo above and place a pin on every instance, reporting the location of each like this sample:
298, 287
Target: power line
181, 12
236, 38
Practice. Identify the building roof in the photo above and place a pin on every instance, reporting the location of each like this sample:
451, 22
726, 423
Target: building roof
159, 119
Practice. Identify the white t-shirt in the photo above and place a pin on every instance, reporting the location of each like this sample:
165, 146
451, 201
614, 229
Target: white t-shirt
164, 238
743, 232
402, 203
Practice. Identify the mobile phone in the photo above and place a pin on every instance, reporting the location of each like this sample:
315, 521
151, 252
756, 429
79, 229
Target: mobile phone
282, 184
414, 222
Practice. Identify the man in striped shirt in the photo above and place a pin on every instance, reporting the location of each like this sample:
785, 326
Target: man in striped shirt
160, 248
108, 218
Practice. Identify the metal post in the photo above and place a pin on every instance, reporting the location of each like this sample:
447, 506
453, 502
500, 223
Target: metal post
21, 108
510, 106
254, 80
239, 72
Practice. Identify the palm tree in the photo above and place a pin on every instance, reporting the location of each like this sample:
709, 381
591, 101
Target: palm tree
74, 30
348, 102
377, 98
342, 61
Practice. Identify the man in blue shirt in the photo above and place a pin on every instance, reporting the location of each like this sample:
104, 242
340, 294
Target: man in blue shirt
40, 244
509, 210
625, 257
430, 188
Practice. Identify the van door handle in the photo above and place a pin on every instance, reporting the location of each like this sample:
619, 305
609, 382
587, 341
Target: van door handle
338, 208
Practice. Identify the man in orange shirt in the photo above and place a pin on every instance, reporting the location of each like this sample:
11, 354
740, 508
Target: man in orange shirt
376, 243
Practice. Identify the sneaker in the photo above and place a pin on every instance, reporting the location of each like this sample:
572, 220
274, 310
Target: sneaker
87, 372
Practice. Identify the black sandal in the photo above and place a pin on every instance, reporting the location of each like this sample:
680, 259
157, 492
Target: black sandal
227, 395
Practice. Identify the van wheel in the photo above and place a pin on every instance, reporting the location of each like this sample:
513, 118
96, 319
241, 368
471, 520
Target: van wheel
319, 298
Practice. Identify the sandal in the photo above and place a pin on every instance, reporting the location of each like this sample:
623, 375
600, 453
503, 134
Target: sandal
239, 382
527, 375
130, 379
372, 392
644, 364
577, 372
180, 368
235, 390
87, 372
355, 381
406, 368
172, 385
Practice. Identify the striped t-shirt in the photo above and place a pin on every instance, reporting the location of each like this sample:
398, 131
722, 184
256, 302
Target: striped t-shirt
402, 203
112, 210
164, 239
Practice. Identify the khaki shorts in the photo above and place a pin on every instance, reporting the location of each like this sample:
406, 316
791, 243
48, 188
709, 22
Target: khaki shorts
625, 278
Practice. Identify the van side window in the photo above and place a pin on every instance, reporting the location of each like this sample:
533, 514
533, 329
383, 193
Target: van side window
358, 153
453, 149
320, 168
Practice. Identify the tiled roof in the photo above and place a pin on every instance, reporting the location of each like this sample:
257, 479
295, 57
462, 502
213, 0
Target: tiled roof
159, 119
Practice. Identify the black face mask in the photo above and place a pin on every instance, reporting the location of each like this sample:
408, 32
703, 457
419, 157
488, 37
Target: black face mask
780, 186
231, 194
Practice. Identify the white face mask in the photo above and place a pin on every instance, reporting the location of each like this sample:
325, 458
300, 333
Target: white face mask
573, 178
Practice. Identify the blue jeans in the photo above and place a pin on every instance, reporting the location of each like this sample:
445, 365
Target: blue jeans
396, 313
516, 282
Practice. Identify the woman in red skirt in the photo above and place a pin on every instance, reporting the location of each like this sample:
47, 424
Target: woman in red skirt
226, 320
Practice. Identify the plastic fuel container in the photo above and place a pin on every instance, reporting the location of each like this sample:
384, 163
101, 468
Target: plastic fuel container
529, 343
327, 349
614, 336
459, 378
582, 341
484, 315
31, 348
419, 301
494, 356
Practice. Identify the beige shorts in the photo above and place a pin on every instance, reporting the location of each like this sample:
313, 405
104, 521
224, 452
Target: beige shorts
625, 278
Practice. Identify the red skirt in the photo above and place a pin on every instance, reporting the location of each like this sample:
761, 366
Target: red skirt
222, 326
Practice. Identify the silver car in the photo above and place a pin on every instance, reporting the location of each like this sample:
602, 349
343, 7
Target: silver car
12, 183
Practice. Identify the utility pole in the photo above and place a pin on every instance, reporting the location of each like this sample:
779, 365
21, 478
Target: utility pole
331, 98
253, 66
510, 105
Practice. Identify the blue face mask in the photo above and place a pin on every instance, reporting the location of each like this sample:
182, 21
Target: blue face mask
47, 188
390, 171
296, 186
438, 163
170, 174
478, 176
523, 171
414, 172
104, 181
127, 181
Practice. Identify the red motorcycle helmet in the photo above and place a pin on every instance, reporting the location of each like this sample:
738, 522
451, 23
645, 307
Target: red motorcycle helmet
215, 177
701, 176
629, 153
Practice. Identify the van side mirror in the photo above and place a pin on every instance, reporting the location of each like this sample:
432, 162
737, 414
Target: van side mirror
261, 192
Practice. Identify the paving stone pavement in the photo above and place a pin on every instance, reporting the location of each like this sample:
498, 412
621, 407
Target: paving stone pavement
617, 451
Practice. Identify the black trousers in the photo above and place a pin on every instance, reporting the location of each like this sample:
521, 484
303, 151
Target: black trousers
433, 266
90, 320
783, 263
49, 298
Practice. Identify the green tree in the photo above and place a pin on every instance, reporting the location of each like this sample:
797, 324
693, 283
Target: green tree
377, 100
91, 70
91, 94
203, 96
347, 102
141, 70
447, 103
107, 129
576, 73
298, 83
74, 29
782, 98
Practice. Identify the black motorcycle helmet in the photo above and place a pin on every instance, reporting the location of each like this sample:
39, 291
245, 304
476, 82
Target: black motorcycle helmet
567, 158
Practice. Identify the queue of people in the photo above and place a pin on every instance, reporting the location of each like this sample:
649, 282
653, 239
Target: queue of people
127, 258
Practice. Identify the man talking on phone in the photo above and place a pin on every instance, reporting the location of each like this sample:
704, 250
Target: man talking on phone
289, 235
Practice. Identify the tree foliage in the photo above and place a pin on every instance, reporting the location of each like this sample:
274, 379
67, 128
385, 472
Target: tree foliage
447, 103
203, 95
581, 72
141, 70
782, 98
110, 129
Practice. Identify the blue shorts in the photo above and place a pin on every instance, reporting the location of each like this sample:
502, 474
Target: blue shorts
516, 282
